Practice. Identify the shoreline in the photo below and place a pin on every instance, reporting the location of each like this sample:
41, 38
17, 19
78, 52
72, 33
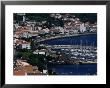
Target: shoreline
80, 63
57, 37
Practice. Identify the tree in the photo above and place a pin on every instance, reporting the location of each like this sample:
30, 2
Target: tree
24, 54
37, 60
34, 44
33, 60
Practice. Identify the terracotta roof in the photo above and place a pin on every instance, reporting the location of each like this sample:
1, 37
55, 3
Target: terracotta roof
21, 30
22, 42
19, 72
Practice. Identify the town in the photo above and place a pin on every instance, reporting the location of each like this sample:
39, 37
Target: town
32, 57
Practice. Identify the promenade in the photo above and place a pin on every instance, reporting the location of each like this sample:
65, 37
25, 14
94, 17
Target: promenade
62, 36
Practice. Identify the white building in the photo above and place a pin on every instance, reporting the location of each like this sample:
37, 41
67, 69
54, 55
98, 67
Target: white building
45, 71
21, 44
82, 28
26, 35
61, 30
26, 46
42, 52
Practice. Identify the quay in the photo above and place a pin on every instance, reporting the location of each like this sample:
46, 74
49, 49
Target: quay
69, 46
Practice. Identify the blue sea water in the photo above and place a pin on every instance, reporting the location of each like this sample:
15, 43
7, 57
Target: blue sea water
85, 69
74, 40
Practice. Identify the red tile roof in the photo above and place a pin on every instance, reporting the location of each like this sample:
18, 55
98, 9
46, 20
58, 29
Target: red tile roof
19, 72
22, 42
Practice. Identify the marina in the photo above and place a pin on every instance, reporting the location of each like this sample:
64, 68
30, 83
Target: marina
79, 58
83, 51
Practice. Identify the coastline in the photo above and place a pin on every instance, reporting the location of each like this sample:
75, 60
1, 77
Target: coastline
64, 36
78, 63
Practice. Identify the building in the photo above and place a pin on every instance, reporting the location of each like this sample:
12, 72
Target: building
21, 44
61, 30
42, 52
22, 32
82, 28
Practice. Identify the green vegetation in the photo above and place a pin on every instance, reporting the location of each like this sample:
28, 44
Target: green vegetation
32, 58
27, 39
39, 17
49, 58
41, 47
34, 45
24, 54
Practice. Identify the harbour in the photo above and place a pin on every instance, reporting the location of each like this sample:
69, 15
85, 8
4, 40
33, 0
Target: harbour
80, 57
55, 44
86, 69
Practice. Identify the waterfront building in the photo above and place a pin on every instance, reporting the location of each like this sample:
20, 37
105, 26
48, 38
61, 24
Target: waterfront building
42, 52
45, 71
62, 31
82, 28
93, 28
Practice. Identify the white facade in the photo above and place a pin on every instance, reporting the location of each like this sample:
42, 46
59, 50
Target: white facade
61, 30
45, 71
43, 53
39, 52
75, 31
26, 46
26, 35
82, 28
93, 29
24, 18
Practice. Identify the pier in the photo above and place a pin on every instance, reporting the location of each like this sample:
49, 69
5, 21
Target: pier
69, 46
